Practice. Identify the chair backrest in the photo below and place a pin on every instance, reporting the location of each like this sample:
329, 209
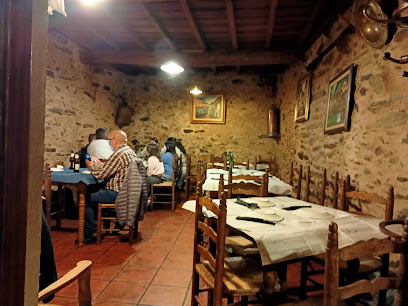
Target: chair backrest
333, 293
315, 186
335, 184
361, 196
259, 188
82, 273
295, 180
177, 165
272, 163
222, 160
201, 171
204, 231
245, 164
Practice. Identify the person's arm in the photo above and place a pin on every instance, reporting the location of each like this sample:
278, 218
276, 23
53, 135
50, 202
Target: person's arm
107, 170
150, 166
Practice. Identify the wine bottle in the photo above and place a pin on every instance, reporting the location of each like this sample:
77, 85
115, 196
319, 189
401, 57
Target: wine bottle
76, 163
71, 161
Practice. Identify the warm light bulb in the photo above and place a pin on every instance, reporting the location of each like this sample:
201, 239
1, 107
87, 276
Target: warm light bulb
172, 68
195, 91
89, 2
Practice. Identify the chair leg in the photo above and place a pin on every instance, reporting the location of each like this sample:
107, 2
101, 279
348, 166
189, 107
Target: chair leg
99, 224
195, 288
210, 298
244, 300
173, 198
382, 295
151, 197
187, 188
59, 206
131, 233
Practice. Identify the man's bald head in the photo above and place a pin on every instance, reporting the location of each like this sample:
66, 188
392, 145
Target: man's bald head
117, 138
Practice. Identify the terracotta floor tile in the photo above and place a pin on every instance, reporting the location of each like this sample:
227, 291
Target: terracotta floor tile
59, 300
172, 277
114, 258
97, 247
164, 295
72, 289
96, 303
122, 247
138, 274
123, 292
158, 249
181, 249
181, 262
79, 255
61, 252
146, 260
104, 271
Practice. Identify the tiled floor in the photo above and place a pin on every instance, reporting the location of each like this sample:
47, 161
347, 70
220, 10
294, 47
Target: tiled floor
154, 271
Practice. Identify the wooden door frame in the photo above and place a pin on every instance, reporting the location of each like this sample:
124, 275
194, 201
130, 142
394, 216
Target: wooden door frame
18, 185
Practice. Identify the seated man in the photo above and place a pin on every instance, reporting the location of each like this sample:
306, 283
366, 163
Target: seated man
84, 150
113, 171
100, 147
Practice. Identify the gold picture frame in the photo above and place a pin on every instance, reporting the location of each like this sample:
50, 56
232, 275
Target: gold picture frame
338, 104
208, 108
303, 99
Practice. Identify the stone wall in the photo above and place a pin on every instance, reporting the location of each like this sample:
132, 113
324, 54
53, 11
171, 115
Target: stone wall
79, 99
375, 149
163, 105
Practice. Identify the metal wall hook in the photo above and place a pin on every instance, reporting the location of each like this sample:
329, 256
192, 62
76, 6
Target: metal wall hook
403, 59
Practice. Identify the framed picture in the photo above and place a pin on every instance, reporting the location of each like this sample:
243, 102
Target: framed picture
208, 108
338, 106
303, 99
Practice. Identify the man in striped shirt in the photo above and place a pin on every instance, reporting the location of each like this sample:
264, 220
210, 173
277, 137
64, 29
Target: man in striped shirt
113, 171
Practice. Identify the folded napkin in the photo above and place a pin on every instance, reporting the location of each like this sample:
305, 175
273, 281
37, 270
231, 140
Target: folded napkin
56, 169
86, 172
249, 205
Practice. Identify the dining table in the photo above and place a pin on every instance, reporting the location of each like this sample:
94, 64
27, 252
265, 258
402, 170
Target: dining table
65, 177
288, 228
243, 167
275, 185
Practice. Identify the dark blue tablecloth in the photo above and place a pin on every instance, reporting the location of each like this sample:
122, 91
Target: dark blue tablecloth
70, 177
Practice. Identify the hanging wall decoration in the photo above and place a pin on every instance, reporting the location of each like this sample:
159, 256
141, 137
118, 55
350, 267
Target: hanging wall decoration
338, 106
303, 99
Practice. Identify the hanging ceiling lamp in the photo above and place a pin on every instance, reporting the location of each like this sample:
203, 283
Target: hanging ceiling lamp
195, 91
172, 68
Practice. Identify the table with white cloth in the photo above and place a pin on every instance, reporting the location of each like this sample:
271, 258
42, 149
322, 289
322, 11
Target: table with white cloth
242, 167
275, 185
299, 234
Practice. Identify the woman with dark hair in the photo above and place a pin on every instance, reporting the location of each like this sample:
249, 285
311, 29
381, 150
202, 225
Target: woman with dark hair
182, 155
155, 167
167, 158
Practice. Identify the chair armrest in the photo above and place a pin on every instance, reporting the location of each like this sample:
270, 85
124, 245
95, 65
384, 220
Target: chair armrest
82, 272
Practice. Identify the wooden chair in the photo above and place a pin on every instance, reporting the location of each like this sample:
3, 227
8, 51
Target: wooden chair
334, 185
110, 208
362, 266
295, 180
167, 185
334, 294
315, 185
190, 176
259, 188
82, 273
222, 160
201, 171
225, 277
245, 164
272, 163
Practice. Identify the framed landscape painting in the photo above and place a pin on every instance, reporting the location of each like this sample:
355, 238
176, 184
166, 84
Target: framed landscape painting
338, 106
208, 108
303, 99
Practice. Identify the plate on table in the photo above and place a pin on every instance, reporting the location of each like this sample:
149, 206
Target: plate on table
262, 202
56, 169
269, 216
313, 213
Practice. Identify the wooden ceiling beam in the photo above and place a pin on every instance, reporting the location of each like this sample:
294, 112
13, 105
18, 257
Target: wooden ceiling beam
315, 13
206, 59
231, 21
157, 25
271, 22
189, 16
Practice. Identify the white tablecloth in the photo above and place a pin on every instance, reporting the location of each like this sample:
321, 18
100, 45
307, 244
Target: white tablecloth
242, 167
275, 185
297, 236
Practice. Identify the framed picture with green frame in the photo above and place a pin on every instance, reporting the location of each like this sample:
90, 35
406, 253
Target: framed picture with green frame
338, 105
